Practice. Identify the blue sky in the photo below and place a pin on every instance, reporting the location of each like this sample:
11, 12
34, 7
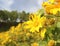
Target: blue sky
20, 5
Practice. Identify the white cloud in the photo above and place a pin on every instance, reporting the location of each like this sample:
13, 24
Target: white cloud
33, 9
5, 4
29, 6
40, 2
38, 5
30, 9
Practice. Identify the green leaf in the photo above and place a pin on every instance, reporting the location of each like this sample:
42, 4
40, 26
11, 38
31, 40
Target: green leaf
58, 24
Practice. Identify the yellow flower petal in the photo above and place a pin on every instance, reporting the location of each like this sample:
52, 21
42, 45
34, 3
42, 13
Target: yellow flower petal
43, 31
51, 1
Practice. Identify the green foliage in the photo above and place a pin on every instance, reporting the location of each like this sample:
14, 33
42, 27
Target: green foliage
3, 15
23, 16
12, 16
27, 38
58, 24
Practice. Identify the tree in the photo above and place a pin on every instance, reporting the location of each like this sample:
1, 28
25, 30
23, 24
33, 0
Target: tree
3, 15
13, 16
23, 16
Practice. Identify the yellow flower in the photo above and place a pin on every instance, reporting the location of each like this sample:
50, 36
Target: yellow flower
12, 29
52, 6
59, 9
35, 23
27, 34
17, 28
54, 11
51, 1
45, 4
57, 0
10, 40
34, 44
51, 43
5, 40
42, 34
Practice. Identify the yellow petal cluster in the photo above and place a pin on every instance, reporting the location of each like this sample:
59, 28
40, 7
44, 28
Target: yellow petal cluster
35, 23
42, 34
34, 44
6, 36
51, 1
51, 43
53, 7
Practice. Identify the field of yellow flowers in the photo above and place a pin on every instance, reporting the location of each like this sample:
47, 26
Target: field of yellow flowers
42, 28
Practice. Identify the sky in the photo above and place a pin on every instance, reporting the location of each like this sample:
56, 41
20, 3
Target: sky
20, 5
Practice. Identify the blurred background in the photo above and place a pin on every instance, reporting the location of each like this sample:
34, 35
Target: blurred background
13, 12
20, 5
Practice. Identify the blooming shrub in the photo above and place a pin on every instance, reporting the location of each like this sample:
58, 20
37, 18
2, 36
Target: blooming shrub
42, 29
